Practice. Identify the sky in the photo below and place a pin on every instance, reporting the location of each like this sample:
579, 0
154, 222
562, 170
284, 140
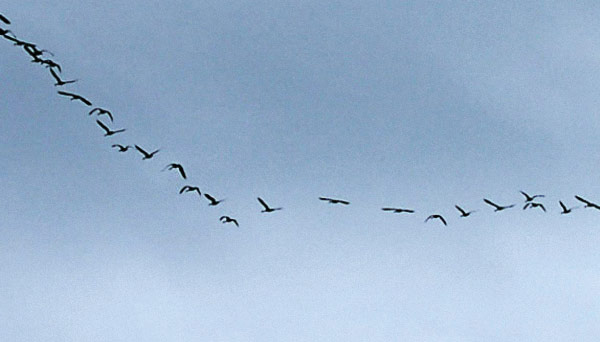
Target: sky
411, 104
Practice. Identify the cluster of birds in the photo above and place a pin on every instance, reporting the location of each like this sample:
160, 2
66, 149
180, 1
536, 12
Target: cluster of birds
39, 56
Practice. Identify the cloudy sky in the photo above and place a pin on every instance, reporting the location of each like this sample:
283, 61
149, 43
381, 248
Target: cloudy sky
419, 104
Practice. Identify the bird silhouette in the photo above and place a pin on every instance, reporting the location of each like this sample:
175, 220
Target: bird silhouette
34, 52
107, 130
59, 81
47, 62
266, 206
530, 198
212, 200
588, 204
531, 205
176, 166
464, 213
334, 201
565, 210
189, 188
436, 216
4, 19
145, 154
75, 97
227, 219
498, 207
101, 111
398, 210
121, 147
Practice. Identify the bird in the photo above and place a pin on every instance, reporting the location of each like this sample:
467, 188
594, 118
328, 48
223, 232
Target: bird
532, 205
48, 62
212, 200
530, 198
4, 32
121, 147
176, 166
498, 207
436, 216
398, 210
75, 97
227, 219
334, 201
464, 213
266, 206
59, 81
189, 188
588, 204
4, 19
34, 52
107, 130
146, 154
101, 111
565, 210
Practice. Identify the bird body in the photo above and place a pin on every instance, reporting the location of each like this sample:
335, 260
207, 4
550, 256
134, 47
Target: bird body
146, 154
75, 97
436, 216
498, 207
266, 206
108, 131
398, 210
334, 201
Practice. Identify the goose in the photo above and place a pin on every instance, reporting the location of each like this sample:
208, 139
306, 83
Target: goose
121, 147
144, 153
530, 198
266, 206
464, 213
176, 166
75, 97
107, 130
588, 204
101, 111
213, 201
334, 201
398, 210
436, 216
498, 207
565, 210
59, 81
227, 219
189, 188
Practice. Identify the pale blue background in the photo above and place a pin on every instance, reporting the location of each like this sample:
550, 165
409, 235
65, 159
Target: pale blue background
384, 103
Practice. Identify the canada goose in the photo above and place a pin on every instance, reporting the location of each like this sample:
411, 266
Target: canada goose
59, 81
498, 207
464, 213
266, 206
75, 97
121, 147
107, 130
565, 210
212, 200
146, 154
436, 216
398, 210
189, 188
334, 201
532, 205
530, 198
101, 111
588, 204
227, 219
176, 166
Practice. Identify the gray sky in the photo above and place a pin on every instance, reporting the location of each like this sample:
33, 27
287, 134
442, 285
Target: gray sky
420, 104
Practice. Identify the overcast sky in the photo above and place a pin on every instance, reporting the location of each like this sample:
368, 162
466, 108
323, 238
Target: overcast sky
419, 104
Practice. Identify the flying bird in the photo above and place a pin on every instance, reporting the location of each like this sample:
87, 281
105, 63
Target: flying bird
531, 205
176, 166
436, 216
121, 147
464, 213
334, 201
4, 19
146, 154
565, 210
398, 210
34, 52
227, 219
498, 207
75, 97
4, 33
189, 188
107, 130
59, 81
588, 204
212, 200
47, 62
101, 111
266, 206
530, 198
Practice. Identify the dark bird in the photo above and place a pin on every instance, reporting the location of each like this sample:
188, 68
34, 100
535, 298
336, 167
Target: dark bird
530, 198
398, 210
588, 204
498, 207
75, 97
146, 154
59, 81
531, 205
227, 219
4, 19
47, 62
121, 147
176, 166
189, 188
266, 206
464, 213
565, 210
212, 200
101, 111
334, 201
436, 216
107, 130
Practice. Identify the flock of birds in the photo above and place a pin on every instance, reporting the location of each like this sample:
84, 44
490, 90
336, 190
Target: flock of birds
39, 56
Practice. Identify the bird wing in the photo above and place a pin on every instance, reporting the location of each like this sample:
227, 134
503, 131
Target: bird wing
460, 209
344, 202
103, 126
527, 197
543, 208
109, 115
209, 197
491, 203
443, 220
388, 209
562, 205
4, 19
65, 93
526, 205
325, 199
223, 218
56, 77
84, 100
142, 151
182, 172
264, 204
428, 218
91, 111
582, 200
117, 145
235, 222
408, 210
183, 189
120, 130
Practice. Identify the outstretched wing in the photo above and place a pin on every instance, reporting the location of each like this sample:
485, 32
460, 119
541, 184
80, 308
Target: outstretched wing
264, 204
210, 198
582, 200
491, 203
388, 209
56, 77
84, 100
182, 172
65, 93
460, 209
562, 205
442, 219
103, 126
142, 151
4, 19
